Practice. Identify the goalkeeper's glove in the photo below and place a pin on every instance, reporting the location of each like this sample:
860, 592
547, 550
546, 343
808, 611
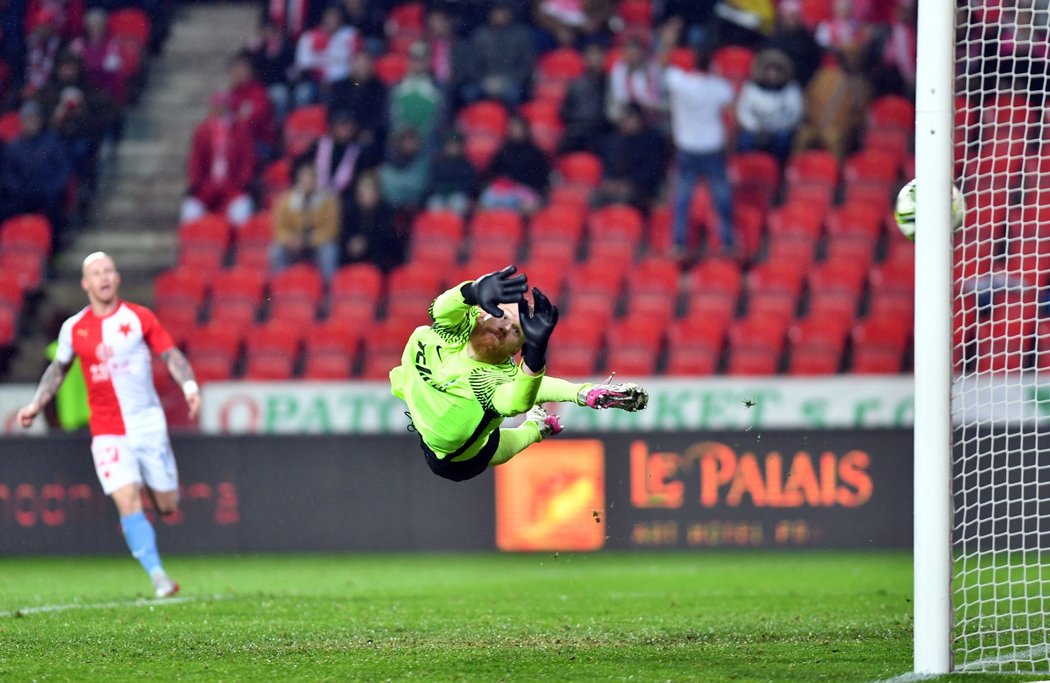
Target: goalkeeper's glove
493, 289
537, 324
622, 395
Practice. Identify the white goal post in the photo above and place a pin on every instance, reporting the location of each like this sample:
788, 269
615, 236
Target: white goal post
934, 121
982, 338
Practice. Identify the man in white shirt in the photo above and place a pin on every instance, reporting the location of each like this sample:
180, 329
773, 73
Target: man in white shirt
698, 100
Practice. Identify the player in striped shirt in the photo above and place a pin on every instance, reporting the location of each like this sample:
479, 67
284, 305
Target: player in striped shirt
460, 380
115, 341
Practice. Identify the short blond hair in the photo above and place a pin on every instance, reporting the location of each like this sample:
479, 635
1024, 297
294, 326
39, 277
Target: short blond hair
92, 257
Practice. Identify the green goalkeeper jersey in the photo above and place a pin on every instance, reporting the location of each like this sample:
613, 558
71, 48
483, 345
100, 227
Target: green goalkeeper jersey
456, 402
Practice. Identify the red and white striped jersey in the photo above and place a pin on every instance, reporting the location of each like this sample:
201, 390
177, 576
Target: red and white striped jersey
116, 356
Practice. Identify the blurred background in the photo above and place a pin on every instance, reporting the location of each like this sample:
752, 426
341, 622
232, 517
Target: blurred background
289, 183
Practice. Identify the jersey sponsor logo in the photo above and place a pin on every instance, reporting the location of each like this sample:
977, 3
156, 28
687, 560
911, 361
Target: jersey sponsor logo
103, 352
425, 373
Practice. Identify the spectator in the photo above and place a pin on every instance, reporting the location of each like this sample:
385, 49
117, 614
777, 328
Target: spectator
583, 109
742, 22
697, 101
635, 79
450, 57
368, 228
273, 56
221, 166
323, 55
35, 169
519, 172
503, 58
894, 70
291, 18
364, 95
79, 113
100, 54
770, 105
836, 103
68, 16
570, 22
368, 19
795, 40
695, 15
306, 224
840, 30
251, 105
339, 155
634, 162
453, 182
42, 48
405, 175
416, 102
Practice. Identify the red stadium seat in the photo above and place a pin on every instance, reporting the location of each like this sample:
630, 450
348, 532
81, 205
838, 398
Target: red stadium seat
858, 253
216, 340
209, 369
327, 366
331, 348
497, 225
756, 333
892, 111
276, 178
355, 292
572, 361
10, 126
872, 166
295, 294
784, 248
616, 223
130, 24
797, 222
694, 345
269, 368
833, 277
554, 71
714, 285
8, 325
252, 242
856, 221
236, 297
733, 63
752, 362
635, 14
682, 57
812, 167
27, 234
580, 169
405, 24
755, 177
557, 223
203, 242
545, 124
631, 362
815, 11
391, 68
180, 285
303, 127
485, 117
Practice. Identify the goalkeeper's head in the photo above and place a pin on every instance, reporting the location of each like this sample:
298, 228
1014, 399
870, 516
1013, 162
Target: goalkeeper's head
494, 340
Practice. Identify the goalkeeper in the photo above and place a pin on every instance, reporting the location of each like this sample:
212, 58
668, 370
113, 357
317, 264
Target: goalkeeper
460, 380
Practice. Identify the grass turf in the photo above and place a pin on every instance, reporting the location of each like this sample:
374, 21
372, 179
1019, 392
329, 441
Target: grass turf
681, 616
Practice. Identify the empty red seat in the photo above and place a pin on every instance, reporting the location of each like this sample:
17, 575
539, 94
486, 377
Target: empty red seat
500, 225
391, 67
330, 348
580, 169
203, 242
856, 221
327, 366
733, 63
486, 118
755, 177
837, 276
714, 285
252, 242
812, 166
796, 221
10, 126
179, 285
130, 24
303, 127
209, 369
554, 71
8, 323
752, 362
596, 278
858, 253
11, 291
295, 294
872, 166
557, 223
215, 340
355, 292
616, 222
892, 111
237, 295
631, 361
545, 124
27, 233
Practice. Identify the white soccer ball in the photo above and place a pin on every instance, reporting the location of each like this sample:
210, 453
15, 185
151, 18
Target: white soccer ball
904, 211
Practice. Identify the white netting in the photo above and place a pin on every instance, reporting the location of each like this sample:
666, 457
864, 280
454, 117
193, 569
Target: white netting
1001, 482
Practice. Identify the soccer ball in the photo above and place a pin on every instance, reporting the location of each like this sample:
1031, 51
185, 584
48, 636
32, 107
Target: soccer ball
904, 211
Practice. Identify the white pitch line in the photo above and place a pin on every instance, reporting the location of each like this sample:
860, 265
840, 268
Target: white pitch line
159, 602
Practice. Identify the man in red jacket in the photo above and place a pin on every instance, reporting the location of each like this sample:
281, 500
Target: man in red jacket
222, 162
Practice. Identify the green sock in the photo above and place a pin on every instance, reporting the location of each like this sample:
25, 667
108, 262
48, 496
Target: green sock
514, 441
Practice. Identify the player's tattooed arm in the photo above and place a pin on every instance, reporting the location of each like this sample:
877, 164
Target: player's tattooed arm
50, 382
178, 366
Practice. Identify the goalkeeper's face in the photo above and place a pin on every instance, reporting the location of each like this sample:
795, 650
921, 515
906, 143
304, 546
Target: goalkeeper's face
494, 340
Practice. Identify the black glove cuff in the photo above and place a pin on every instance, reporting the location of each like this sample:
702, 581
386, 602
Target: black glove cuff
470, 294
535, 357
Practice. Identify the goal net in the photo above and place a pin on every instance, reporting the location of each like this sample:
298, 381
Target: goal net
1000, 589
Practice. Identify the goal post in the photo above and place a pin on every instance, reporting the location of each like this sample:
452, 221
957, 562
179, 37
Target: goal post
934, 122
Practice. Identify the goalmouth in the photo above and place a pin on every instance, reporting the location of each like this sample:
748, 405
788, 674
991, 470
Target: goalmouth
982, 343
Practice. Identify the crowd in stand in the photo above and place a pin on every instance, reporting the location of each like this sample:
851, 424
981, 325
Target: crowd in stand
646, 102
68, 70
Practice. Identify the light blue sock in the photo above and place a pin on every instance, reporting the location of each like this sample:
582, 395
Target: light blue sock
142, 542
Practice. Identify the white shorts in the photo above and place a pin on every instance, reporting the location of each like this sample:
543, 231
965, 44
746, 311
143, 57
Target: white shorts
145, 458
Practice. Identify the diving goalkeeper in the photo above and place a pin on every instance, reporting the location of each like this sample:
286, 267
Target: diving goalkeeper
460, 380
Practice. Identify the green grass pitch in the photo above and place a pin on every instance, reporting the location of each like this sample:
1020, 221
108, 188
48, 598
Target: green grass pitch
487, 617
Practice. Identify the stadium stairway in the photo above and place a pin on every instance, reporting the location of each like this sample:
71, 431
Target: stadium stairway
135, 214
